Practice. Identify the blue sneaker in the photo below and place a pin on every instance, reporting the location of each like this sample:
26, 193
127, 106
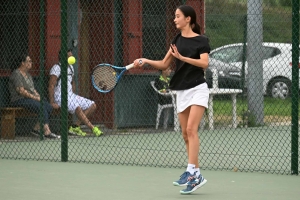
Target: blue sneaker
194, 185
184, 179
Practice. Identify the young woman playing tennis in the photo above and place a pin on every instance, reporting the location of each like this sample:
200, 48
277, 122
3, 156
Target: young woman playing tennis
190, 51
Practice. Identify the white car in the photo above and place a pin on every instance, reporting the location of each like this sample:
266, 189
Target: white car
277, 69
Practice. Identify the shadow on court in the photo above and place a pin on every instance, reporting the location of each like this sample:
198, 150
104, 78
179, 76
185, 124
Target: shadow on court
29, 180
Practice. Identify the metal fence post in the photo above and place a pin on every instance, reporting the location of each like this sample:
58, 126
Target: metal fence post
295, 88
64, 71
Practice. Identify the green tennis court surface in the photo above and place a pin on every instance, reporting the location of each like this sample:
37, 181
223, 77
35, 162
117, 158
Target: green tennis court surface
29, 180
251, 150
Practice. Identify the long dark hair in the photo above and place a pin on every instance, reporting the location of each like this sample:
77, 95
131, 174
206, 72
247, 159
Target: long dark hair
188, 11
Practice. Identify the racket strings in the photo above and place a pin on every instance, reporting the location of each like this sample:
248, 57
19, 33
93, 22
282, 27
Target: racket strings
105, 78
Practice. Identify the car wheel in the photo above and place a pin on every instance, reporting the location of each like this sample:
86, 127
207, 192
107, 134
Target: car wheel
280, 88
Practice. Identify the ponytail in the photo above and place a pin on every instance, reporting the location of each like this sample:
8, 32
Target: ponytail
196, 28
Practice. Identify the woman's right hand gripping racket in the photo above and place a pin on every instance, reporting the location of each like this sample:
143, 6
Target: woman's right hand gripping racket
105, 76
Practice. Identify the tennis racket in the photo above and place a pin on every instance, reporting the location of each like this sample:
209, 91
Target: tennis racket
105, 76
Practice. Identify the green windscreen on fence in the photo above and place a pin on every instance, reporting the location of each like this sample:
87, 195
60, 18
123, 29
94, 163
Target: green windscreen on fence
251, 123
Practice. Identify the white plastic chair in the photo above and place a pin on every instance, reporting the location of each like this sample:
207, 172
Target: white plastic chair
160, 107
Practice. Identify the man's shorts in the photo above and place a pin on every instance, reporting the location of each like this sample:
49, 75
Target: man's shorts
75, 101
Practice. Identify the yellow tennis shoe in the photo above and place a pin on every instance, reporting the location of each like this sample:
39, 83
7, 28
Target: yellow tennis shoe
97, 131
76, 131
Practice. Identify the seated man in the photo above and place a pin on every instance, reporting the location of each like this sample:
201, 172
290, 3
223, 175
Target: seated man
23, 94
162, 84
80, 106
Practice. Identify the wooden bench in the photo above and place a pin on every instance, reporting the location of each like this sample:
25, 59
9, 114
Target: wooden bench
8, 119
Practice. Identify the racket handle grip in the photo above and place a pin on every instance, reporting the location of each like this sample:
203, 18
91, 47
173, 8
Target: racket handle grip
129, 66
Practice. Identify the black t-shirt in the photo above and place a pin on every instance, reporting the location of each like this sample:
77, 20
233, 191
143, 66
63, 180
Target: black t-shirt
187, 76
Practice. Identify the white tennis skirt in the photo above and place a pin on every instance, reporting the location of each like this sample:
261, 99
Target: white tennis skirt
195, 96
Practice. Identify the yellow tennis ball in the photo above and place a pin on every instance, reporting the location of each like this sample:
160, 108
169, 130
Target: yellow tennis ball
71, 60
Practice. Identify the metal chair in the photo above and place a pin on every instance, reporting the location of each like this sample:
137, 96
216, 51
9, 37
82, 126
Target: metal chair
160, 107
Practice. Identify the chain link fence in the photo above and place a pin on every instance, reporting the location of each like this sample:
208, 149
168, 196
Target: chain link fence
252, 120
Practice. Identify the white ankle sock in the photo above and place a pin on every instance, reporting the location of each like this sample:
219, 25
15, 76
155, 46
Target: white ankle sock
191, 168
197, 170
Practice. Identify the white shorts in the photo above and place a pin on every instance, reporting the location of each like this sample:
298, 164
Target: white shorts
75, 101
195, 96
